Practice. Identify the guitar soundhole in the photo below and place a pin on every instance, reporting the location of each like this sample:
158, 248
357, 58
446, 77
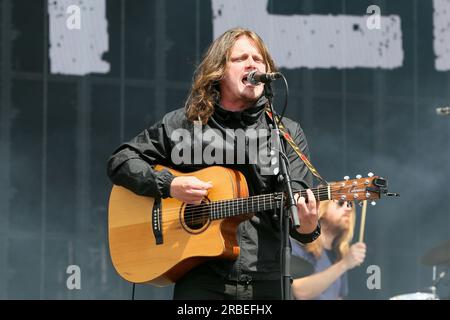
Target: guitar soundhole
196, 217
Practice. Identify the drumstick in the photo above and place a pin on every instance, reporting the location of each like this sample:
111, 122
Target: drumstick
363, 221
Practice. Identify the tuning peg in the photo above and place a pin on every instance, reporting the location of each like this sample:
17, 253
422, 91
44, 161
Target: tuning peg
346, 178
370, 174
358, 176
360, 203
373, 203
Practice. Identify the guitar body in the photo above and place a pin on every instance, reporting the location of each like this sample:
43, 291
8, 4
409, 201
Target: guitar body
185, 240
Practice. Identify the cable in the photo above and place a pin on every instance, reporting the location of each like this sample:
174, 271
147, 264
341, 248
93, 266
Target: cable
132, 293
286, 87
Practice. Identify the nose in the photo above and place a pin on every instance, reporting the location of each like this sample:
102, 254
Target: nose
250, 63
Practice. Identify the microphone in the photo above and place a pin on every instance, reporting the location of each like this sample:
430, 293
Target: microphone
443, 111
255, 77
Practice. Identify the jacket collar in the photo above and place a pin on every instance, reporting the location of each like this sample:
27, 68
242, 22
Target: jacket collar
245, 118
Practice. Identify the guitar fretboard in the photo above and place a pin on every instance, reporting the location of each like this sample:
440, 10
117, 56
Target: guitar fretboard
228, 208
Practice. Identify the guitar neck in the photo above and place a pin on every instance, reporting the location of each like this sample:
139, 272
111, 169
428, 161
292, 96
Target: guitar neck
320, 193
233, 207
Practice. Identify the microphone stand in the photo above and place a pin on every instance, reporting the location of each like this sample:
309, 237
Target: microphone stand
291, 212
437, 281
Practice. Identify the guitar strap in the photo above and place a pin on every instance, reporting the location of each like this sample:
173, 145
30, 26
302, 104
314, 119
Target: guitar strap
294, 146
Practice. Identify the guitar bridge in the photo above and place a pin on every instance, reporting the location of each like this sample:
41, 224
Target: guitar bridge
157, 222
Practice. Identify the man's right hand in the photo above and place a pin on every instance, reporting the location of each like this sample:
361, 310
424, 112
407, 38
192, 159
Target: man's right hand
189, 189
355, 255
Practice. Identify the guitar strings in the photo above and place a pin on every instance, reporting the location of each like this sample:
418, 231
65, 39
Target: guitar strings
204, 214
203, 211
233, 203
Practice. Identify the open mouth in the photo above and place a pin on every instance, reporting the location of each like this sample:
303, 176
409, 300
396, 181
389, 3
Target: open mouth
245, 81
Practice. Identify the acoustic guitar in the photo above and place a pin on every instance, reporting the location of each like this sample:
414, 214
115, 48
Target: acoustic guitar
156, 241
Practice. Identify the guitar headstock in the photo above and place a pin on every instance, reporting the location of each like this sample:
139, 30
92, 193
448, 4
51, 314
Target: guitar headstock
359, 189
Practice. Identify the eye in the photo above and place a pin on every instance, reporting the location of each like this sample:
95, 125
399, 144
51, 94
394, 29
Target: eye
340, 203
258, 59
239, 58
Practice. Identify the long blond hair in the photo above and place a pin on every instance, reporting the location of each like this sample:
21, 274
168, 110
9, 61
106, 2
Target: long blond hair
341, 243
205, 90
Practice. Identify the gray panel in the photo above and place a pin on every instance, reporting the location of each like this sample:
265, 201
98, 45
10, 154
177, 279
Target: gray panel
139, 113
61, 151
28, 35
140, 43
26, 155
401, 81
297, 7
327, 80
104, 139
326, 136
24, 268
188, 34
113, 16
360, 156
176, 99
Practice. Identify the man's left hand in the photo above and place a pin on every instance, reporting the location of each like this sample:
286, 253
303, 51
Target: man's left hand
308, 213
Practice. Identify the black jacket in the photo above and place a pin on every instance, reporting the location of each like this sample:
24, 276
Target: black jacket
259, 238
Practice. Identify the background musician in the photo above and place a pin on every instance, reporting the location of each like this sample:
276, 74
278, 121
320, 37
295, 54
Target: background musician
331, 255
